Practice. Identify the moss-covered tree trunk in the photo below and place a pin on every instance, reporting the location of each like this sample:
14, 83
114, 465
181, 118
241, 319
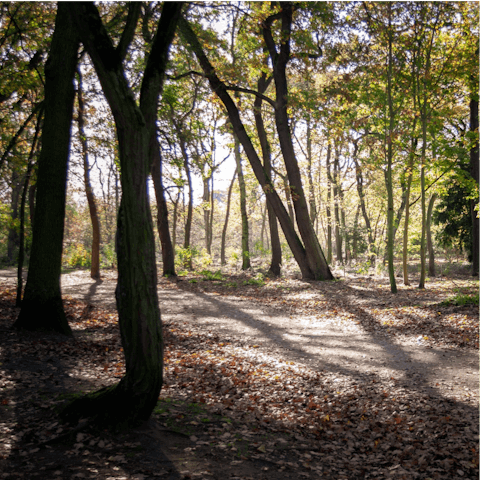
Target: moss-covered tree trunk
42, 307
132, 400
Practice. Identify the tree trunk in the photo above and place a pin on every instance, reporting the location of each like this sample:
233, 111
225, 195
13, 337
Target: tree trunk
92, 206
328, 207
42, 307
130, 402
207, 210
315, 258
225, 225
13, 239
421, 283
336, 210
311, 191
21, 250
276, 261
474, 167
366, 218
188, 223
407, 209
243, 207
168, 249
431, 253
389, 152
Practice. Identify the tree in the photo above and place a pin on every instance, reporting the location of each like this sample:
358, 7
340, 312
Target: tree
475, 169
131, 401
92, 205
42, 307
305, 261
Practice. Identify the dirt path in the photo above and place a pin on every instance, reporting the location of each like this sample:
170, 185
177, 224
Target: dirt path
390, 389
335, 344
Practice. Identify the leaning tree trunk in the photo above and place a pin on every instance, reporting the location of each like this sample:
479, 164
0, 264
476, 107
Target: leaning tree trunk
225, 225
221, 91
92, 206
42, 307
131, 401
21, 250
315, 257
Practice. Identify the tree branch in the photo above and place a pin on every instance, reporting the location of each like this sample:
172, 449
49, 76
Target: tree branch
252, 92
129, 30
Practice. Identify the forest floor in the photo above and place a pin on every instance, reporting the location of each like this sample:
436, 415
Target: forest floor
264, 379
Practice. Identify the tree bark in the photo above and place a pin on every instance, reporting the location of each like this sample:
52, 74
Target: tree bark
336, 210
42, 307
131, 401
366, 218
92, 206
13, 239
243, 207
328, 207
225, 225
276, 260
168, 249
188, 223
21, 250
474, 171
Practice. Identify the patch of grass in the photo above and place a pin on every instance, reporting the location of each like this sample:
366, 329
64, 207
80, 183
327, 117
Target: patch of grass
231, 284
194, 280
209, 275
258, 281
462, 299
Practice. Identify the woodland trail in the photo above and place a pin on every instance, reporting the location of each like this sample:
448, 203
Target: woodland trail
295, 379
336, 343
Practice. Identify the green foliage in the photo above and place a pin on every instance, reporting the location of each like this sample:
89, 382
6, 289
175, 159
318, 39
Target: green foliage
462, 299
208, 275
76, 256
184, 256
204, 259
286, 252
108, 256
260, 249
258, 281
453, 213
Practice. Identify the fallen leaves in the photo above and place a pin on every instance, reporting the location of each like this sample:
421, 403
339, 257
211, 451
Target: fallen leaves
244, 401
